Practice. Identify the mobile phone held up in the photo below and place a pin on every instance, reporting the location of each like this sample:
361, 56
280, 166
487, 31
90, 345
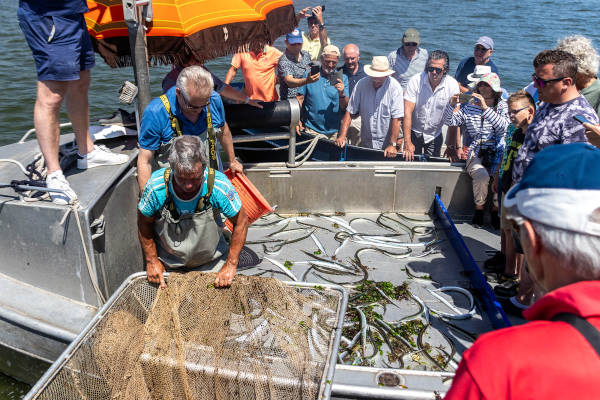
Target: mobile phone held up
334, 76
465, 97
315, 67
581, 119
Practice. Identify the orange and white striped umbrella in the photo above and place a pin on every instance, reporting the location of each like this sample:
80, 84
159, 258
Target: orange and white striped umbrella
204, 29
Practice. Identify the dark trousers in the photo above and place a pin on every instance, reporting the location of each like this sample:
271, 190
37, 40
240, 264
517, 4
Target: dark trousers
433, 148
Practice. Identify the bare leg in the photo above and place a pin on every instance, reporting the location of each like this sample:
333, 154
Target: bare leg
78, 111
510, 268
50, 95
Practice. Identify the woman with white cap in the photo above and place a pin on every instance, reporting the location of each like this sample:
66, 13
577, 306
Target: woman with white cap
485, 116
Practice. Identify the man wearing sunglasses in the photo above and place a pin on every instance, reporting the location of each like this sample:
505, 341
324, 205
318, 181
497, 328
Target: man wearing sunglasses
408, 60
553, 123
185, 109
482, 54
555, 211
424, 101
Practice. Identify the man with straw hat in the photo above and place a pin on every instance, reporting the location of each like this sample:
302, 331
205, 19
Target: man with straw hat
379, 101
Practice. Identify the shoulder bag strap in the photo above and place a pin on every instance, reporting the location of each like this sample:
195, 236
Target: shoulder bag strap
587, 330
211, 141
210, 183
174, 120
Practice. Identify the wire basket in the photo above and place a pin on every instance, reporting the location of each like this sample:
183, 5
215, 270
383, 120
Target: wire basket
277, 355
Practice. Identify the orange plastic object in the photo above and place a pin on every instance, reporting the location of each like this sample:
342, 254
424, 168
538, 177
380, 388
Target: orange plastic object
253, 202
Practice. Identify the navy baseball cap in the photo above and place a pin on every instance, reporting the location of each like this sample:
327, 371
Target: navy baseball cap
560, 188
294, 37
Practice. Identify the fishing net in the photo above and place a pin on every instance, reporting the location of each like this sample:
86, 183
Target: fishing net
259, 339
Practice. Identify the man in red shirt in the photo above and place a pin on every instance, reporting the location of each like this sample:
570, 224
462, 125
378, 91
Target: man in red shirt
555, 211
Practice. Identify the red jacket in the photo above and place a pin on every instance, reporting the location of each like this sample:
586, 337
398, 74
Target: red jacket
538, 360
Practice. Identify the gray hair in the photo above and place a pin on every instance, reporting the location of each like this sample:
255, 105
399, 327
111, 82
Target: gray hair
186, 152
195, 76
572, 248
581, 47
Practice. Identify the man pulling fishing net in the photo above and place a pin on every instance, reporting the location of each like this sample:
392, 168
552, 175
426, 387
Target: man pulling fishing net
179, 221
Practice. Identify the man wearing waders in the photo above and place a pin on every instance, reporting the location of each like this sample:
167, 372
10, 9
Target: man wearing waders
179, 218
192, 107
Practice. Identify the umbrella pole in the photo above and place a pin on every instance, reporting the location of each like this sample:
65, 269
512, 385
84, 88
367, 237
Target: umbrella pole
137, 43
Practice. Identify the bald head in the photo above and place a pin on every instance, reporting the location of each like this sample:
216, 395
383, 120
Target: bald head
351, 57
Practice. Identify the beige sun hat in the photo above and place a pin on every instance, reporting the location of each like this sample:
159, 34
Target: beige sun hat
480, 70
379, 67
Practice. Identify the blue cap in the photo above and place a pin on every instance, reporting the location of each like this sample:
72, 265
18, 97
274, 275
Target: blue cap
561, 188
294, 37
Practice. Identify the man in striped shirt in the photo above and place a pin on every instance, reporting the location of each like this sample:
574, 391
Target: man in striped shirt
185, 201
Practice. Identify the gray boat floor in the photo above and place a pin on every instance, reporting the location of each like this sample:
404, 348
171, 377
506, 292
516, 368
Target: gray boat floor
442, 266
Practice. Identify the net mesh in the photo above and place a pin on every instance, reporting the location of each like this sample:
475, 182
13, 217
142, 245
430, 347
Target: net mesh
259, 339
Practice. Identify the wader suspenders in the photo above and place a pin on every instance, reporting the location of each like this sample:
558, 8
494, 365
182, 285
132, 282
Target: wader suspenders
211, 131
202, 202
587, 330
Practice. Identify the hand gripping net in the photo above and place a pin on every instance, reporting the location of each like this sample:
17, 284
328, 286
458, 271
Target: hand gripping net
259, 339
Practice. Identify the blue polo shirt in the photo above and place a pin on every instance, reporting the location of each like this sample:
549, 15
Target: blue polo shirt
156, 125
321, 105
54, 7
223, 197
353, 79
466, 67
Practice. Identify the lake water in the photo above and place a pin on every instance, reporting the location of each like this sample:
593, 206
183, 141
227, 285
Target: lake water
520, 30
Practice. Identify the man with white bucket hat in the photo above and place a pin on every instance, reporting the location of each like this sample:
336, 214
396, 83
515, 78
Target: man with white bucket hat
379, 101
555, 214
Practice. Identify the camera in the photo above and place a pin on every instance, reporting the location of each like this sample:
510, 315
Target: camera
465, 97
486, 154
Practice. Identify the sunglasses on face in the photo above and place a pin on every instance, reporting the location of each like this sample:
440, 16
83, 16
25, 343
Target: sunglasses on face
515, 112
543, 82
434, 69
188, 106
411, 44
480, 49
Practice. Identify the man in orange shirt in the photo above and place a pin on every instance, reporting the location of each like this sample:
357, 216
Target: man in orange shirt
258, 67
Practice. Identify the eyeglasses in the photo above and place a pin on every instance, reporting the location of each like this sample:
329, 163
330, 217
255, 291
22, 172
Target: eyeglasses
411, 44
434, 69
543, 82
515, 112
188, 106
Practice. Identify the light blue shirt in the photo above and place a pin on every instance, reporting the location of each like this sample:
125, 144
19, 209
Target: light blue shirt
321, 105
223, 196
405, 68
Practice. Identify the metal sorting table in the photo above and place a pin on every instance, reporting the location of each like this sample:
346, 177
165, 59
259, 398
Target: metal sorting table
449, 264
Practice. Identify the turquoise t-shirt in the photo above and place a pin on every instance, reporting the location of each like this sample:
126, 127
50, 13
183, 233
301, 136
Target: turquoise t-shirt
223, 197
321, 105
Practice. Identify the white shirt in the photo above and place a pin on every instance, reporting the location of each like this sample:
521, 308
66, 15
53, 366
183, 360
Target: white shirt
427, 117
376, 107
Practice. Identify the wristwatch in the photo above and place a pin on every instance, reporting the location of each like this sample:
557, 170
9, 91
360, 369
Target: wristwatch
321, 27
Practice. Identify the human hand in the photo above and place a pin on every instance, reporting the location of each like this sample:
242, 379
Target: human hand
340, 86
225, 276
340, 140
450, 152
299, 128
409, 151
154, 272
480, 101
236, 167
318, 13
592, 132
454, 100
313, 78
390, 151
304, 13
461, 152
255, 103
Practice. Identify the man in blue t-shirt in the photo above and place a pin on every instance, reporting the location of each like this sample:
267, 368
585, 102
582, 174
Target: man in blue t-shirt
324, 101
179, 224
482, 54
189, 102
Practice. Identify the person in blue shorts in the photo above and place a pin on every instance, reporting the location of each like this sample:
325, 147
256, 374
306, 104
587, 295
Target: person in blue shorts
179, 216
61, 46
183, 110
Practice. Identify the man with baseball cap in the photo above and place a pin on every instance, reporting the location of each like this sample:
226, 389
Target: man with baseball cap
409, 59
292, 65
379, 102
484, 47
324, 101
555, 213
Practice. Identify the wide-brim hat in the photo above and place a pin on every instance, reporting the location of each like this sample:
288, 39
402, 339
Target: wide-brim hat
491, 79
480, 70
380, 67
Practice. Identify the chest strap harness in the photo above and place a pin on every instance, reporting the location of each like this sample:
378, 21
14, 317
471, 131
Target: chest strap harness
203, 202
209, 126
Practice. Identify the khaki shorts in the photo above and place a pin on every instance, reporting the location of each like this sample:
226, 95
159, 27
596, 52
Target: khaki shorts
315, 133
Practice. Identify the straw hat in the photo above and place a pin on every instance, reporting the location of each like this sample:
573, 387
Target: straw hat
380, 67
